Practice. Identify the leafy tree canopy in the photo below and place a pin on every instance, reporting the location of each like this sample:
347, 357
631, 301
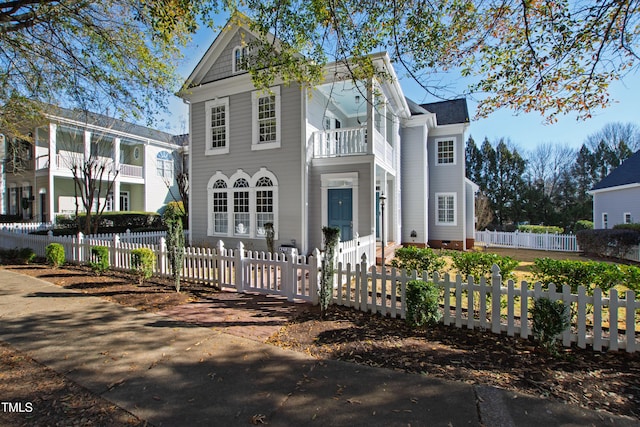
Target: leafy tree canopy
553, 57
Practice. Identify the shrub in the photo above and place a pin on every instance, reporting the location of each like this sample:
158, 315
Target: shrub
142, 263
586, 273
478, 264
583, 224
422, 303
549, 320
101, 256
331, 239
420, 259
54, 254
17, 256
540, 229
610, 242
635, 227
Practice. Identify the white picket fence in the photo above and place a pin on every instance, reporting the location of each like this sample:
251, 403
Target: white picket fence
545, 242
351, 251
26, 227
480, 305
604, 322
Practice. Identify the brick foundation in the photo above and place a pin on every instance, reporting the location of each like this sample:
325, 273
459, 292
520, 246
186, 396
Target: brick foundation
447, 244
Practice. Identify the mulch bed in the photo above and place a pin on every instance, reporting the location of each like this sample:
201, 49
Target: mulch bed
605, 381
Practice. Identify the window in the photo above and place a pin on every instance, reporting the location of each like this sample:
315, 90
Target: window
627, 218
239, 56
266, 119
217, 122
242, 205
264, 204
220, 215
164, 165
446, 152
241, 213
605, 220
446, 209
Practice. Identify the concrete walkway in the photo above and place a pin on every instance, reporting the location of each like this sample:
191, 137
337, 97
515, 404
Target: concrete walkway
172, 373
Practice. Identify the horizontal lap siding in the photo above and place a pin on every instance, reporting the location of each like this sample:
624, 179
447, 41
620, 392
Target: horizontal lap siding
446, 179
284, 162
615, 203
414, 184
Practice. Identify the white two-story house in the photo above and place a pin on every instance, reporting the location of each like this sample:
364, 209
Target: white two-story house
38, 177
303, 158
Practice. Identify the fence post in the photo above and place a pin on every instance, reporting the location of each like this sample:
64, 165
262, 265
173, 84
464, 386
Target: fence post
116, 248
289, 278
313, 276
496, 284
162, 255
80, 242
239, 267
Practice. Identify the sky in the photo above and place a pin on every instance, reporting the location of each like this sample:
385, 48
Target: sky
525, 131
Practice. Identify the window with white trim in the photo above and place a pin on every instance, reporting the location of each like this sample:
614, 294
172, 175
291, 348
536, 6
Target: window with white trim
627, 218
605, 220
164, 165
217, 122
242, 205
446, 208
266, 119
264, 204
238, 58
241, 212
220, 208
446, 154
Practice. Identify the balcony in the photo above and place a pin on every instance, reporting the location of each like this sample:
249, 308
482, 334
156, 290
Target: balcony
340, 142
351, 142
66, 159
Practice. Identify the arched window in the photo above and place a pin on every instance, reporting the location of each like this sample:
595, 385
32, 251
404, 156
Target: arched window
220, 208
241, 208
164, 165
241, 205
239, 58
264, 204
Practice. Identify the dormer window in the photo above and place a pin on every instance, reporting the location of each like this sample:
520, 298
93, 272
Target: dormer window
239, 56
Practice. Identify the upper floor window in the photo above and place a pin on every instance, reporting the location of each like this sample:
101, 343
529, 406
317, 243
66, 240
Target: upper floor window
605, 220
266, 119
217, 123
446, 209
239, 58
446, 152
164, 165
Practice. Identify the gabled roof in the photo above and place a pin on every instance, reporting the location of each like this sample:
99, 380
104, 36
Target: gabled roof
628, 173
449, 112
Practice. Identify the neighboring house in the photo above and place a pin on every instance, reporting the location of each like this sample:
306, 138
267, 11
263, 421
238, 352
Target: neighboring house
304, 158
616, 199
37, 177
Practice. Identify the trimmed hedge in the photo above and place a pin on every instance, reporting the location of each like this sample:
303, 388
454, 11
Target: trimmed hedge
589, 274
540, 229
17, 256
54, 253
583, 224
627, 227
478, 264
421, 259
112, 222
615, 242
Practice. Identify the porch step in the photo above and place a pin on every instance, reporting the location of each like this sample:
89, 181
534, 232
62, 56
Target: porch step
389, 252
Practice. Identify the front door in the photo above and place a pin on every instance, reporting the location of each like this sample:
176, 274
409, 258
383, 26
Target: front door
341, 211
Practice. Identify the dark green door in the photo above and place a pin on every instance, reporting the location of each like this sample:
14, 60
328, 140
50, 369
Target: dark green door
341, 211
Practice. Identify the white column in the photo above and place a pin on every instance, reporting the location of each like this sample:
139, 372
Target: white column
53, 166
87, 145
3, 179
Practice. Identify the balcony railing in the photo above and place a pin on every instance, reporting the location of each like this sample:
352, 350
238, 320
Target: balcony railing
351, 141
66, 159
340, 142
